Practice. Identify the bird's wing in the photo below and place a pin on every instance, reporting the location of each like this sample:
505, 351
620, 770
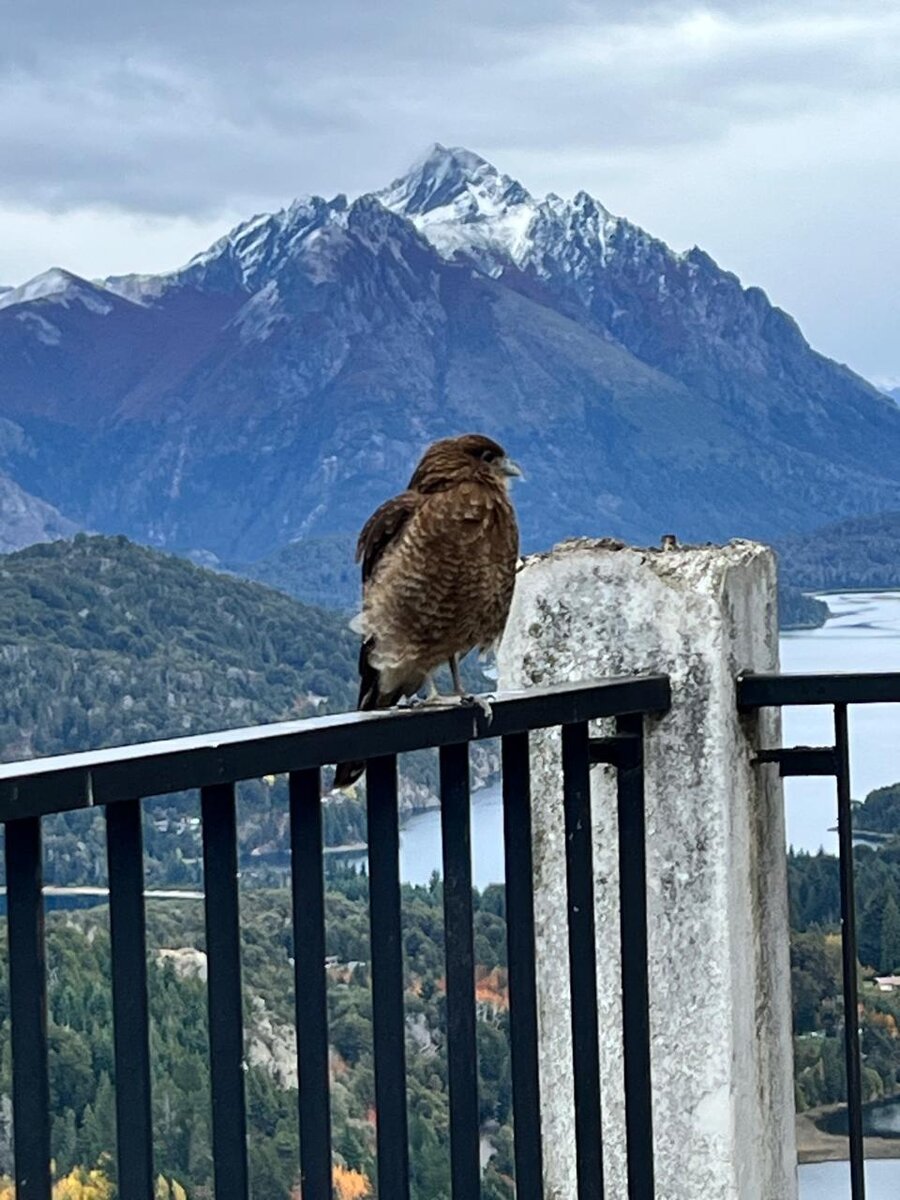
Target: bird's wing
383, 528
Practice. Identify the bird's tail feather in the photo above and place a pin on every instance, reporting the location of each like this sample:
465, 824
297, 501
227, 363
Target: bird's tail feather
370, 697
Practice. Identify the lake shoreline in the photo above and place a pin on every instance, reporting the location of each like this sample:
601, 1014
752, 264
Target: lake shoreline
814, 1145
862, 634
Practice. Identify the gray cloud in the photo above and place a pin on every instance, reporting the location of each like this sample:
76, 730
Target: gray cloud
190, 108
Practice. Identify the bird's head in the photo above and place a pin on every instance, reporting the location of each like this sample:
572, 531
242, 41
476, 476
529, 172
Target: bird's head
471, 456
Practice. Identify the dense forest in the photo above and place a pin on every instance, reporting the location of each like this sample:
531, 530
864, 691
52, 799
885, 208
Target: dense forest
799, 611
815, 907
103, 642
319, 570
82, 1067
860, 552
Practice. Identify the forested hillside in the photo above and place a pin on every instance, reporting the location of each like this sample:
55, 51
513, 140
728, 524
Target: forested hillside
799, 611
103, 642
815, 906
106, 643
318, 570
861, 552
82, 1068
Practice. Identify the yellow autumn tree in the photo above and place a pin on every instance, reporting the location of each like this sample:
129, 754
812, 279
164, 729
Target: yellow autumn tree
350, 1184
79, 1184
83, 1185
168, 1189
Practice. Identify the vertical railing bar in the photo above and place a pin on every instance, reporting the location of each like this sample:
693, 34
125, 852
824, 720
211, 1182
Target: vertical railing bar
388, 1014
520, 955
131, 1029
849, 955
28, 1008
582, 961
635, 959
226, 1033
310, 984
462, 1049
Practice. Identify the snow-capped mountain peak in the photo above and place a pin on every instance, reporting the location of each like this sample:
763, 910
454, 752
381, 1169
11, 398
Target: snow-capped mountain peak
465, 207
456, 200
462, 204
267, 389
59, 286
453, 178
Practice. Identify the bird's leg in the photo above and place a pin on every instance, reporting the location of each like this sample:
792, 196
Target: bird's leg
453, 663
465, 697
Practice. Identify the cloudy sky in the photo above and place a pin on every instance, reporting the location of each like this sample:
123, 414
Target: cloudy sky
769, 134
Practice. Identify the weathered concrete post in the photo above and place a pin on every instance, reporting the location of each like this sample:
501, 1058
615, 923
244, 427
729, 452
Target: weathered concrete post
717, 905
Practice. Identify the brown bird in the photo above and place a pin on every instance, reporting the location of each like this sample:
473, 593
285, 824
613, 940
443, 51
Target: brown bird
438, 570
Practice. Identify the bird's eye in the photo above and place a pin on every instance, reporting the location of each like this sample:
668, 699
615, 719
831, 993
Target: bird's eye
488, 456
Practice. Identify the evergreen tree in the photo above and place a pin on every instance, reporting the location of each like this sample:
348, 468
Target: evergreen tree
868, 930
890, 936
65, 1142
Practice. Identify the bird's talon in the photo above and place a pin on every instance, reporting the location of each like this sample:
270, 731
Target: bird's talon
482, 702
434, 701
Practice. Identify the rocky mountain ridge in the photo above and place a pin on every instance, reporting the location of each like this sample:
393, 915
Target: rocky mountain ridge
284, 381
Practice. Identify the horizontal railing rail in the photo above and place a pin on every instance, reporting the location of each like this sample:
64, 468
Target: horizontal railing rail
838, 691
42, 786
777, 691
119, 779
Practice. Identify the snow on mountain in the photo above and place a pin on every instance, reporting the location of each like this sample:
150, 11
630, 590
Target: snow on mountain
460, 202
464, 206
60, 287
244, 260
273, 386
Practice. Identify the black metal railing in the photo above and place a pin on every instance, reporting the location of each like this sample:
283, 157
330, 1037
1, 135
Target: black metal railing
118, 779
838, 692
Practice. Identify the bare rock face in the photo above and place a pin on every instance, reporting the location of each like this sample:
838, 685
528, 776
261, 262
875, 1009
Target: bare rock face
187, 962
717, 893
24, 519
271, 1045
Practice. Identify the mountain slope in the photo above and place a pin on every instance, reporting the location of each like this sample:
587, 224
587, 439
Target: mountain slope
283, 382
25, 520
105, 643
861, 552
318, 570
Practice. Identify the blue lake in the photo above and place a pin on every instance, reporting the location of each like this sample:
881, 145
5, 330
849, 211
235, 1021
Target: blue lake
831, 1181
863, 635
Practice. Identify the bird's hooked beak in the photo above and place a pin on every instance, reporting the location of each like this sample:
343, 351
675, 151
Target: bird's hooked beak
510, 469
